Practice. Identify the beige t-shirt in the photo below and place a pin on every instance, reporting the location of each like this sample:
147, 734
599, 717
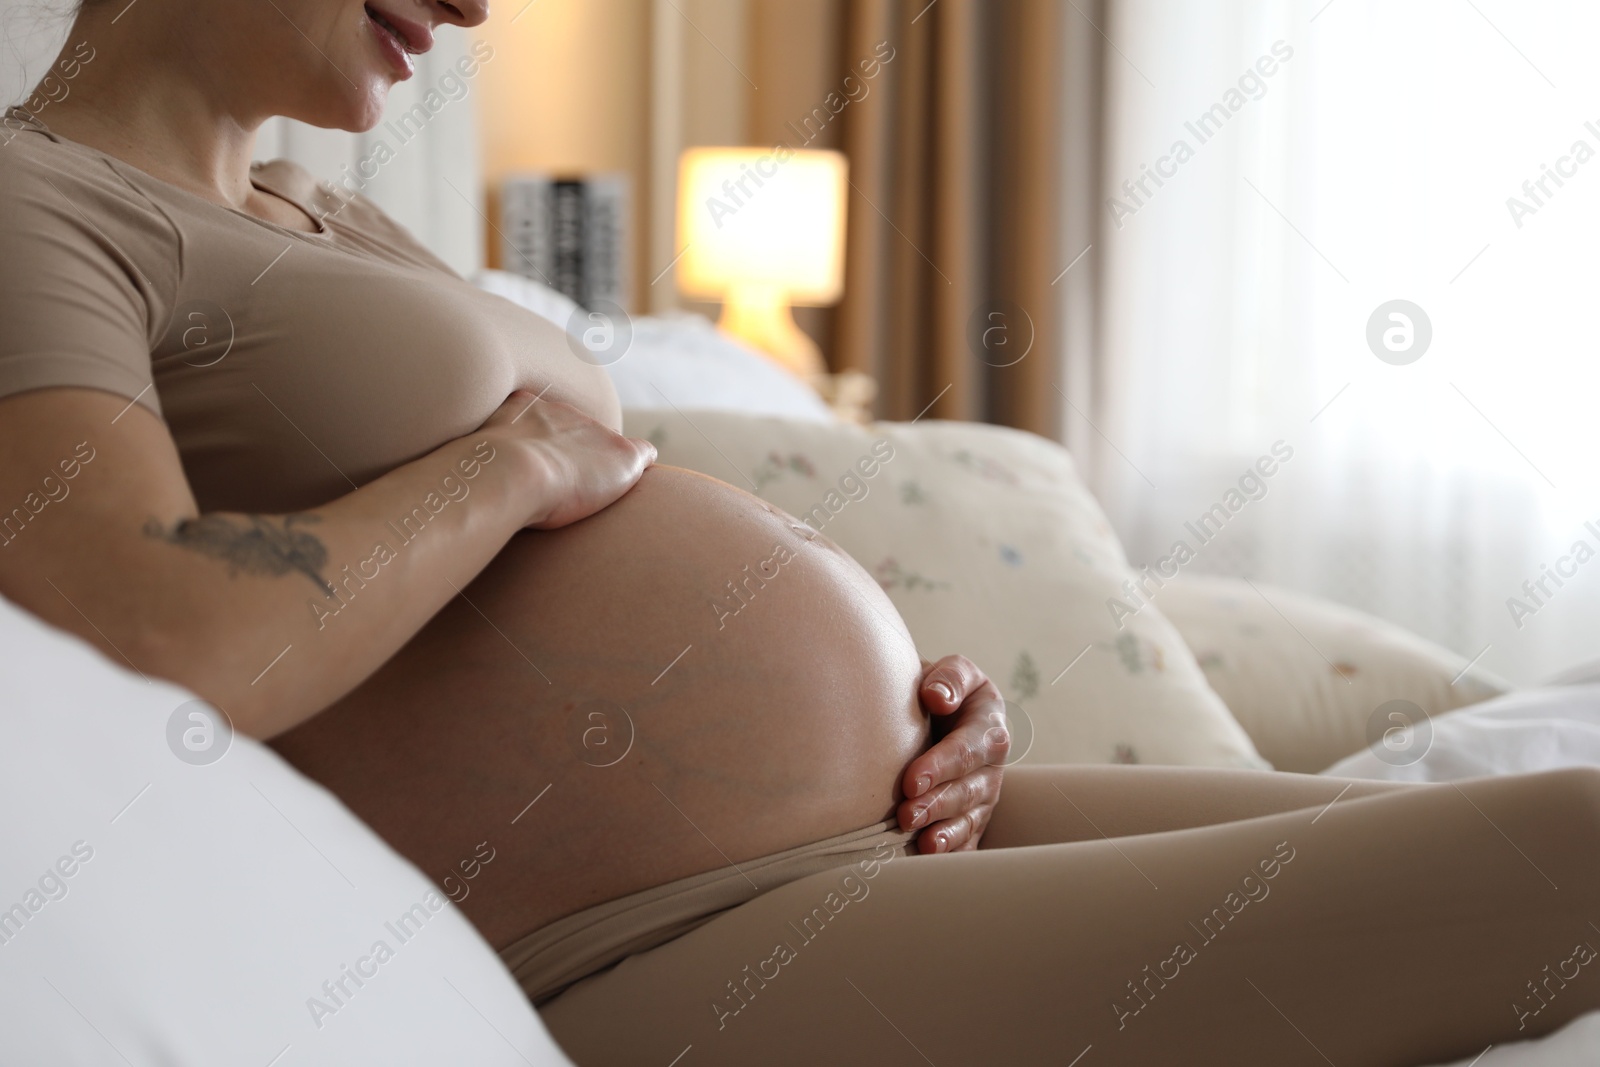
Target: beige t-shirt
288, 366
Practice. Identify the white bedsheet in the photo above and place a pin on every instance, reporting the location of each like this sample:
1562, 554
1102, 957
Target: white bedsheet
1531, 730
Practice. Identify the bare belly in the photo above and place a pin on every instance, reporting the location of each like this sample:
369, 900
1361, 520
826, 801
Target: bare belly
679, 682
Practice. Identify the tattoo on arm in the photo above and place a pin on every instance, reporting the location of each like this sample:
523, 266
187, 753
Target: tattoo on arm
252, 544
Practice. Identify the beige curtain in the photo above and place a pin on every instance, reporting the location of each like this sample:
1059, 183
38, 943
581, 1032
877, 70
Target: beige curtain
959, 221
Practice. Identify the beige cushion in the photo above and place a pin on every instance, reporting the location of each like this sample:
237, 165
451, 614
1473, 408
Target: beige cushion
990, 546
1307, 683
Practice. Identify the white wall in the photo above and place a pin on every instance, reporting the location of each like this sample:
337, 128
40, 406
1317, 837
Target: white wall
433, 185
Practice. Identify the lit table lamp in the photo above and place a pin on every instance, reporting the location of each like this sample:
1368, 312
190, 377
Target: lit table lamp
763, 230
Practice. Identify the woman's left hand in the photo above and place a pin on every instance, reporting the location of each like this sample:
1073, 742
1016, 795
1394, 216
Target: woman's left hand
952, 788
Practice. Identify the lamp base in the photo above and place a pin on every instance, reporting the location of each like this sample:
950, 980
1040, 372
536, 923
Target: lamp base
849, 393
761, 318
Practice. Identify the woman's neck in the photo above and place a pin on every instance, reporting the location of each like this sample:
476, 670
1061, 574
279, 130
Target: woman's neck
147, 99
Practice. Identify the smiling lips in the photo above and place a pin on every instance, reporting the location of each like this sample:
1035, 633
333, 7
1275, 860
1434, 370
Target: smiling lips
400, 39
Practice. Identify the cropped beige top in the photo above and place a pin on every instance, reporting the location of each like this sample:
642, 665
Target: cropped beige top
287, 365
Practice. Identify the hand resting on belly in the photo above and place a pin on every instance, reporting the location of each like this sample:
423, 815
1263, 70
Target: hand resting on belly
603, 669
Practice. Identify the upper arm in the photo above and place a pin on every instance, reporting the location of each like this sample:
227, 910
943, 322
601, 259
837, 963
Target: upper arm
85, 277
87, 273
84, 472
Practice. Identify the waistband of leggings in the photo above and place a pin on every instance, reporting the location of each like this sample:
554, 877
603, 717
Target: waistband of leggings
570, 949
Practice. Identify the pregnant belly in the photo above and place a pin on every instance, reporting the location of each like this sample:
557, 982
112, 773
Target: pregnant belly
682, 681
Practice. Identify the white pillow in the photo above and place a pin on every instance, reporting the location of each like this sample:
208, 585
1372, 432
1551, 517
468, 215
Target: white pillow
155, 910
683, 360
542, 300
679, 359
989, 546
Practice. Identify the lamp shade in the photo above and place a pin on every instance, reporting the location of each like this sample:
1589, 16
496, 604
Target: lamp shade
768, 219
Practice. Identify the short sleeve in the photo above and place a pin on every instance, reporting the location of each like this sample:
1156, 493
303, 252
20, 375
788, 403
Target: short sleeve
78, 249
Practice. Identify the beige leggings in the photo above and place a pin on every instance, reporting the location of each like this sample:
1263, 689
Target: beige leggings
1127, 915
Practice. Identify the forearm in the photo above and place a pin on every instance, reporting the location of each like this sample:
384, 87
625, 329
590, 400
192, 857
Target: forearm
273, 618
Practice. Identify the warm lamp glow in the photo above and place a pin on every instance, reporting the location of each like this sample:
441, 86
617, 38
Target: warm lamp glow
763, 229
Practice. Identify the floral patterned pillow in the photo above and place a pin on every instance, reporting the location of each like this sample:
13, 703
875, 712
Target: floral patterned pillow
989, 545
1313, 681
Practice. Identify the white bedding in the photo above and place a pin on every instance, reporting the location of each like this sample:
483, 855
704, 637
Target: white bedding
175, 894
677, 360
1531, 730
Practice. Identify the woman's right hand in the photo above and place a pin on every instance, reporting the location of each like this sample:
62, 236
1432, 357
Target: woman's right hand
581, 466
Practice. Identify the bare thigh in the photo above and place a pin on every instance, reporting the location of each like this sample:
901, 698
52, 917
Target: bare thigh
1399, 926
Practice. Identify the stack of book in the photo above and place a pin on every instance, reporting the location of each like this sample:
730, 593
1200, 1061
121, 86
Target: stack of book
570, 233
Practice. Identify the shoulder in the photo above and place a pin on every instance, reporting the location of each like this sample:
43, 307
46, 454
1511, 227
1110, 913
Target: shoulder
328, 200
52, 192
287, 177
69, 220
38, 173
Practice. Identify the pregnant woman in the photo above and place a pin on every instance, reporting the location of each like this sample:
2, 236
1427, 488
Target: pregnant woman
386, 521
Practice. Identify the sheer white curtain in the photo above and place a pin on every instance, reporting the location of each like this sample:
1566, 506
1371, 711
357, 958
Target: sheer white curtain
432, 183
1367, 158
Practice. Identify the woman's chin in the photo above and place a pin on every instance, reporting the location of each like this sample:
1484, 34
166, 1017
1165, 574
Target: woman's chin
367, 112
